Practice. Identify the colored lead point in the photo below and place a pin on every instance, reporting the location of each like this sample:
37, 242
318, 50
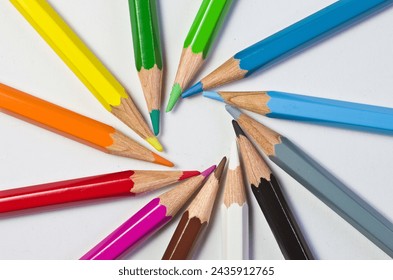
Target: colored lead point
155, 120
174, 97
213, 95
197, 88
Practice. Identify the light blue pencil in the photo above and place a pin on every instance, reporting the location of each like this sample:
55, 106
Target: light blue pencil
319, 182
282, 105
288, 41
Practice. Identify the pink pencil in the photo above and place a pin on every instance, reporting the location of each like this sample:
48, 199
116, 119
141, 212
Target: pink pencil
146, 221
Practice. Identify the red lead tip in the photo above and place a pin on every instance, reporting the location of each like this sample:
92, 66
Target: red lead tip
188, 174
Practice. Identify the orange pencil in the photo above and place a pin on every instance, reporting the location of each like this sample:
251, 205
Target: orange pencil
73, 125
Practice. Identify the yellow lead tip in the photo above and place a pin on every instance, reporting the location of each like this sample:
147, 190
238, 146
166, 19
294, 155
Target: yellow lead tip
155, 143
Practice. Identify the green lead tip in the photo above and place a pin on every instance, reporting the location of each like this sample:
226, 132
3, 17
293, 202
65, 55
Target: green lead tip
175, 94
155, 120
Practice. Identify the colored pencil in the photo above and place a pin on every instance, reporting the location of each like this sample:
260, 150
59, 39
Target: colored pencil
148, 54
85, 65
320, 182
268, 193
198, 43
126, 183
234, 212
289, 40
195, 219
73, 125
284, 105
146, 221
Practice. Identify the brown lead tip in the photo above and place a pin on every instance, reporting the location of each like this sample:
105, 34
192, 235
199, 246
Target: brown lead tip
220, 168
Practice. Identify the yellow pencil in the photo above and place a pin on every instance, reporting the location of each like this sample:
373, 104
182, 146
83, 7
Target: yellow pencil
86, 66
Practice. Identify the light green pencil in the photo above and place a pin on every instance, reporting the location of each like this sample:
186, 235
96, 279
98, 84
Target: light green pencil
148, 54
197, 45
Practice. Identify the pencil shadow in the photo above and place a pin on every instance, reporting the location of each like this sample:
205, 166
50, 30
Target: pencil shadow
251, 227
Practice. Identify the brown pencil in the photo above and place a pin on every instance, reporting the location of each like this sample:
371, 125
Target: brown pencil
148, 220
195, 219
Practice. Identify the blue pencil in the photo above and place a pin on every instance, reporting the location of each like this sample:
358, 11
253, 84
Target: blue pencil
288, 41
324, 111
319, 182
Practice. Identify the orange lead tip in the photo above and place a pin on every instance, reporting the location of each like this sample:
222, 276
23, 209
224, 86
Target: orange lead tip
160, 160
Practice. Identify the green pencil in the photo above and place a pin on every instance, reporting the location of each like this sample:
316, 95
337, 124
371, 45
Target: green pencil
148, 54
200, 38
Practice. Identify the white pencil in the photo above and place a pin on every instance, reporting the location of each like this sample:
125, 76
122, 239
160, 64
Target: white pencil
234, 211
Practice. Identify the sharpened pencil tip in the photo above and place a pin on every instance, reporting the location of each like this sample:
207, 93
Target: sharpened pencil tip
213, 95
189, 174
155, 143
160, 160
155, 121
208, 171
174, 97
234, 112
197, 88
220, 168
237, 128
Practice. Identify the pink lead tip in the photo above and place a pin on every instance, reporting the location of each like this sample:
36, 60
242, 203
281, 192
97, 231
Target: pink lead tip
208, 171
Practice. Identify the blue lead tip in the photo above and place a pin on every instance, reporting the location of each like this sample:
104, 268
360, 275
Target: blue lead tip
197, 88
234, 112
213, 95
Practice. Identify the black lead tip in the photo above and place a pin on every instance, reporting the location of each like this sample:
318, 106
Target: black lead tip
237, 128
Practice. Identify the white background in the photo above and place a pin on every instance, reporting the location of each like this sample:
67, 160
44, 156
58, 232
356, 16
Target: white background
355, 65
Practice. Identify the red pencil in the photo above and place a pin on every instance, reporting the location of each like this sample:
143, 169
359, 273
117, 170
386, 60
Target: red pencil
114, 184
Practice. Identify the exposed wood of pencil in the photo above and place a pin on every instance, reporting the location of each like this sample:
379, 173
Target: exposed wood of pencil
126, 147
226, 73
151, 82
273, 204
174, 199
130, 115
202, 205
194, 219
234, 190
254, 101
149, 180
265, 140
189, 65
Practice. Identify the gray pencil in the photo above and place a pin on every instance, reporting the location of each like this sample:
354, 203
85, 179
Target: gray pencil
319, 181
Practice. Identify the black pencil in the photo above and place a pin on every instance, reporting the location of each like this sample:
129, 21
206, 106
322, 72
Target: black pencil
267, 192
